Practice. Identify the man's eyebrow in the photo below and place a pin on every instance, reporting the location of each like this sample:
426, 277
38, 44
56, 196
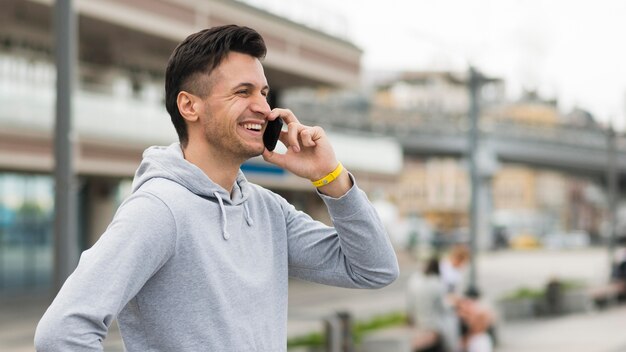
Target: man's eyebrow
251, 86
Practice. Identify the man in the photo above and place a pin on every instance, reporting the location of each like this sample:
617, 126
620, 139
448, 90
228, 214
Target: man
197, 258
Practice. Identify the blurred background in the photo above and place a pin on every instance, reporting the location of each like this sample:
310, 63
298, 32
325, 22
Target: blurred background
498, 124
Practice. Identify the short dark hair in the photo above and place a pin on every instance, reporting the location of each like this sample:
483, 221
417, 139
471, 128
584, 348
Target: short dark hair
197, 56
432, 266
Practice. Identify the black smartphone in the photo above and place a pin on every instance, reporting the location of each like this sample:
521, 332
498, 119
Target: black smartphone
272, 132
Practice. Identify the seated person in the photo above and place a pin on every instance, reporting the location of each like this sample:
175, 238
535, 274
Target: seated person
476, 325
429, 309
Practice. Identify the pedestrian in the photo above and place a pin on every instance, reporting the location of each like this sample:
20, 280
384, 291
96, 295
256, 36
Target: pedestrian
430, 309
453, 268
618, 274
197, 258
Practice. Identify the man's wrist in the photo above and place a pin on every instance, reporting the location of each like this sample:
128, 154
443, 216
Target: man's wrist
340, 186
328, 178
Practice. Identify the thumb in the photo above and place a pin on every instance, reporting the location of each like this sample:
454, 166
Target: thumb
274, 158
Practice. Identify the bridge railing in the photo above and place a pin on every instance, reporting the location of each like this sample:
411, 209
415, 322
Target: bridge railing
411, 123
563, 134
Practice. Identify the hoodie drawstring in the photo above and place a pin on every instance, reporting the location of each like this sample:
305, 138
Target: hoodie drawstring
225, 233
247, 214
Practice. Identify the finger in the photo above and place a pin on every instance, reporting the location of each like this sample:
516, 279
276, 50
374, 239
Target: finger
317, 133
283, 137
307, 138
293, 129
285, 114
312, 135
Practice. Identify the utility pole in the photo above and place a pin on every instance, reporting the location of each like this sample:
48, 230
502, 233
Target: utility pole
474, 88
65, 225
612, 190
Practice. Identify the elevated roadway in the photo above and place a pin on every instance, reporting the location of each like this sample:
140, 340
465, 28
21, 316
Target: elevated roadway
574, 149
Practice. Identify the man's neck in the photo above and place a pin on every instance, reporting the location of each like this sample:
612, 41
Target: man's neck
221, 170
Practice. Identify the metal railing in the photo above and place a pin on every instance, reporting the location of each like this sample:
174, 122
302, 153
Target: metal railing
400, 124
27, 102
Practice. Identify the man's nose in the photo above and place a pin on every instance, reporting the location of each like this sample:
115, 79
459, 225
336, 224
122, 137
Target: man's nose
261, 106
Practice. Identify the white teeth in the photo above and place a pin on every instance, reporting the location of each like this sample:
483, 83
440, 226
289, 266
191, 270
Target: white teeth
252, 126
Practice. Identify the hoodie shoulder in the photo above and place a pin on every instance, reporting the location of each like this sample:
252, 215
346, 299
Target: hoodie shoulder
268, 197
169, 163
164, 189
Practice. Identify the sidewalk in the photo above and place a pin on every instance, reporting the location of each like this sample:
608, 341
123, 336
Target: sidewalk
598, 331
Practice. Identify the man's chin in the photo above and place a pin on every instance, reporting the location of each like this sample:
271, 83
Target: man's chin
255, 151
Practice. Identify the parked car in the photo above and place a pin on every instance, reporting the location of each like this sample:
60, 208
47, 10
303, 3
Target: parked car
524, 241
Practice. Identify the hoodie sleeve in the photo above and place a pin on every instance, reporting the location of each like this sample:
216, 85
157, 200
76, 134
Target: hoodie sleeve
140, 239
355, 253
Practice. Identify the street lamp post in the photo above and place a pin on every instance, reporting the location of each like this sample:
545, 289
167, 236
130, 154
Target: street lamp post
65, 226
612, 190
474, 87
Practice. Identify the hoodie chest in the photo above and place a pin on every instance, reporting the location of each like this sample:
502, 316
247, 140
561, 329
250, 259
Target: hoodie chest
237, 240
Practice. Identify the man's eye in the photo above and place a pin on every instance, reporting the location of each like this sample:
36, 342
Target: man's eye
243, 91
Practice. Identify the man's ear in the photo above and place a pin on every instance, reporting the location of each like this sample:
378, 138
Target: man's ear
189, 105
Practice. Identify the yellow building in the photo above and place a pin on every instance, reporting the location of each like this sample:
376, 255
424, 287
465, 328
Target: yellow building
436, 189
514, 188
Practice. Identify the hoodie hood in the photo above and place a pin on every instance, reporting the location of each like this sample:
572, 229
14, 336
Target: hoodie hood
169, 163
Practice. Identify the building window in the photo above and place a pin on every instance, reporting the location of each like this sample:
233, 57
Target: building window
26, 223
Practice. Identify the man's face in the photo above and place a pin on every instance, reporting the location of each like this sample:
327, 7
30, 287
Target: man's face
236, 108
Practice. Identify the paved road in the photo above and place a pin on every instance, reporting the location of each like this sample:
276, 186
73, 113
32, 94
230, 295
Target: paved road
498, 273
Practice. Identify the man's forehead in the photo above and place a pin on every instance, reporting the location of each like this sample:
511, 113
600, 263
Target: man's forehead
237, 69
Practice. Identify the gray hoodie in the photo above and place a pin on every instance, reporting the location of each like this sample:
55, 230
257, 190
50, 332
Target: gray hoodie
185, 266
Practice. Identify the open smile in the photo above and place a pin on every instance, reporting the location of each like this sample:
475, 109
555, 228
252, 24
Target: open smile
253, 126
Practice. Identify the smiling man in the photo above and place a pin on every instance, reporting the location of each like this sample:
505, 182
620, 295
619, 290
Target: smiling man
197, 258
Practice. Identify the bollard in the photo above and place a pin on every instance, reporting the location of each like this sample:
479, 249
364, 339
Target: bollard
333, 334
554, 297
345, 322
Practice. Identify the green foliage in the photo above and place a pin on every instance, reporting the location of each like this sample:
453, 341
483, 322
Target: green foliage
523, 293
379, 322
315, 339
529, 293
572, 284
359, 329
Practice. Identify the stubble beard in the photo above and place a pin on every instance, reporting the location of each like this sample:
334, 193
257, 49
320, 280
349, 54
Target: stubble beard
233, 144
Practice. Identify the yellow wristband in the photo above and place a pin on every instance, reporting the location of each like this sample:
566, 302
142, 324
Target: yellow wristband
328, 178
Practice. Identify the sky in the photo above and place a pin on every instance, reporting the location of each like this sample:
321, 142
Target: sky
573, 50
